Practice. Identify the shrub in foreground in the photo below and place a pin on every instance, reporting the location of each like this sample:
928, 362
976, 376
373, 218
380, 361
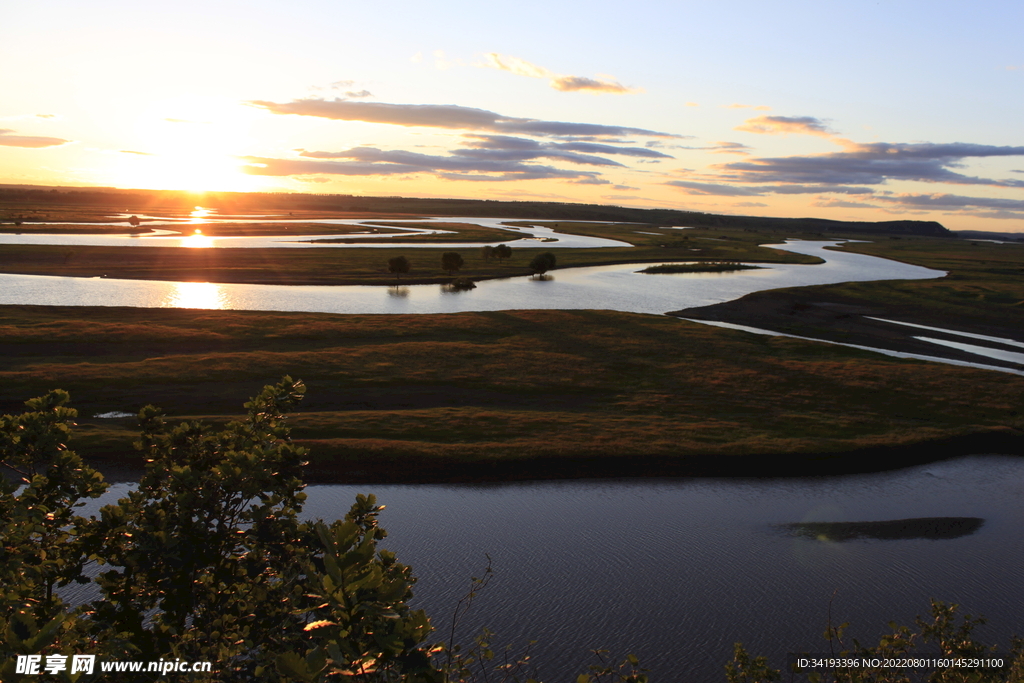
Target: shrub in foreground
207, 560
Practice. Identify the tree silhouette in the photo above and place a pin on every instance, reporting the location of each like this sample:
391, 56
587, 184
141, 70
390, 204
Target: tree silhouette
451, 261
542, 263
398, 265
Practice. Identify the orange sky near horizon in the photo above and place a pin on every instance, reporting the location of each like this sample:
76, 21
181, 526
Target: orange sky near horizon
737, 108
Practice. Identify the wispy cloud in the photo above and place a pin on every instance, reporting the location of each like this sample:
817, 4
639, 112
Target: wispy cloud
715, 189
784, 125
834, 203
560, 82
872, 164
450, 116
462, 164
952, 201
345, 88
132, 151
720, 147
8, 139
730, 190
567, 150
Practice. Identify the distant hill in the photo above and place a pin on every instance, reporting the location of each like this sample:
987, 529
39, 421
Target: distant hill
22, 197
984, 235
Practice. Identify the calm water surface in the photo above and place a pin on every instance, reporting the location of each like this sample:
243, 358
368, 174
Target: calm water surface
618, 288
677, 571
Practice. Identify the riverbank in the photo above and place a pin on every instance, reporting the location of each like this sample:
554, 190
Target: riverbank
510, 395
983, 294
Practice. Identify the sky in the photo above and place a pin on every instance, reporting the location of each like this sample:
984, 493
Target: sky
844, 110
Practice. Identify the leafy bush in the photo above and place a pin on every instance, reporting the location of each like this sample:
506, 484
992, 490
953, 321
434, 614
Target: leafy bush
208, 560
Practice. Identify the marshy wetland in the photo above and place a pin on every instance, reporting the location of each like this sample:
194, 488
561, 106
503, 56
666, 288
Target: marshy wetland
451, 417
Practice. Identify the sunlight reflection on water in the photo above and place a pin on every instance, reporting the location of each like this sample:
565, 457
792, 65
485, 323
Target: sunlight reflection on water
206, 295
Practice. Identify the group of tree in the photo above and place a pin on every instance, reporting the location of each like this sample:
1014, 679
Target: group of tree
500, 252
452, 261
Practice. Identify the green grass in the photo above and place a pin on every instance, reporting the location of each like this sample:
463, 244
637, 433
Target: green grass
425, 393
985, 284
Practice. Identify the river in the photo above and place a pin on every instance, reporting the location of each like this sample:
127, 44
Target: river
676, 571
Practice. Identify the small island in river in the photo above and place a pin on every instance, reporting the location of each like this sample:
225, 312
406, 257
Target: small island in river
705, 267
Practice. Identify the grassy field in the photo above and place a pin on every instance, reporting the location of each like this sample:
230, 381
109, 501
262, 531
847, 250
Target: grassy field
985, 284
530, 394
516, 394
983, 293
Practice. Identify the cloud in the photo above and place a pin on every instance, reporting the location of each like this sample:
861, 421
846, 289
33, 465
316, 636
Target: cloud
714, 189
727, 190
370, 161
832, 203
983, 207
342, 85
577, 83
131, 151
871, 164
442, 62
46, 116
517, 66
31, 141
464, 159
750, 204
784, 125
953, 201
450, 116
563, 83
721, 148
561, 148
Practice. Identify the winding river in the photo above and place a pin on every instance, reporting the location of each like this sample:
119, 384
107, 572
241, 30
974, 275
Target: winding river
675, 571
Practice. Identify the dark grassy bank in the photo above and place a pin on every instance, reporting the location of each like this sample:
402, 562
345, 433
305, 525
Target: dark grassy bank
983, 293
511, 395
